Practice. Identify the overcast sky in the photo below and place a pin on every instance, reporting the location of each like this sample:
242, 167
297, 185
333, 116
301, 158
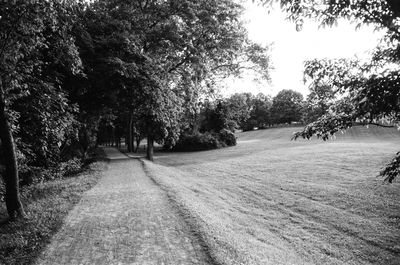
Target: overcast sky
291, 48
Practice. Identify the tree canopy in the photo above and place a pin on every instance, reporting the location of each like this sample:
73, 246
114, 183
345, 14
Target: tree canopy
75, 73
37, 52
287, 106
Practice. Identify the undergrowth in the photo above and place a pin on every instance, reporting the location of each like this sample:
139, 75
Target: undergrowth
46, 205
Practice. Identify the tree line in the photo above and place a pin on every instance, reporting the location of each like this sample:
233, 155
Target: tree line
246, 111
72, 73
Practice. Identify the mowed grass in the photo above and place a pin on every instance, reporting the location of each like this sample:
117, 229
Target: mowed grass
270, 200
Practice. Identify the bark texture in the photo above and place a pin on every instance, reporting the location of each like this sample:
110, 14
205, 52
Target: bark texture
150, 148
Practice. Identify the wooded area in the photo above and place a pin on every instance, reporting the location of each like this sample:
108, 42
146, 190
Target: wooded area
70, 71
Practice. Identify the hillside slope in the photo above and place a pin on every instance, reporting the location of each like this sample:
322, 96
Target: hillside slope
272, 201
253, 142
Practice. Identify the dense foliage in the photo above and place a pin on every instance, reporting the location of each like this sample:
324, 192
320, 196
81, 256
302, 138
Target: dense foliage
246, 111
37, 53
205, 141
74, 74
286, 106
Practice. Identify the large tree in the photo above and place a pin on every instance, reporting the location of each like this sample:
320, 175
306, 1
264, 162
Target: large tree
260, 115
35, 45
287, 106
371, 89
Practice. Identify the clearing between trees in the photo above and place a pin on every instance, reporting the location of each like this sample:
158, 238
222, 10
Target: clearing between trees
270, 200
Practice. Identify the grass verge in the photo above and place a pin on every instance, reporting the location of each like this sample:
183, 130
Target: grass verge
46, 205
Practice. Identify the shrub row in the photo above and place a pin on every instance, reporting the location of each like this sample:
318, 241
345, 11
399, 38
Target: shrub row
205, 141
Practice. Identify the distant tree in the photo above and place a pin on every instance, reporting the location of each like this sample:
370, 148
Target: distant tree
240, 106
287, 106
317, 104
260, 115
216, 116
229, 113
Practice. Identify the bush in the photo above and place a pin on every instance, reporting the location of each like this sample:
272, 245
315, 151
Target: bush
64, 169
71, 167
249, 125
197, 142
205, 141
227, 138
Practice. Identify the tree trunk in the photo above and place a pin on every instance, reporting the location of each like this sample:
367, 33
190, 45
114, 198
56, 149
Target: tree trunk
113, 137
196, 124
12, 198
132, 138
150, 148
138, 140
130, 133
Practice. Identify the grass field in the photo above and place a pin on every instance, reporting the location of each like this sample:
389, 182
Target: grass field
270, 200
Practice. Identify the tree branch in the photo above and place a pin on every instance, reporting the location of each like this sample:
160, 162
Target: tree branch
176, 66
374, 123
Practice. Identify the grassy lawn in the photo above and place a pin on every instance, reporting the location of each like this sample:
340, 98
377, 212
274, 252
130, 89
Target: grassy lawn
46, 205
272, 201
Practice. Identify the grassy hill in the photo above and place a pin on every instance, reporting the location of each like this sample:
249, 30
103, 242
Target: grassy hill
270, 200
260, 141
356, 133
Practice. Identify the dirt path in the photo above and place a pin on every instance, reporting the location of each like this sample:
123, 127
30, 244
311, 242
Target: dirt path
124, 219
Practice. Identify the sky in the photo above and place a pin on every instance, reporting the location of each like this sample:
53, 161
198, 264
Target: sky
291, 48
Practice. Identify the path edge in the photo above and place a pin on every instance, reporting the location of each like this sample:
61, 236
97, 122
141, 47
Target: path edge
184, 214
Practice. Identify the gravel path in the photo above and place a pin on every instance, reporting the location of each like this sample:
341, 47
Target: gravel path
124, 219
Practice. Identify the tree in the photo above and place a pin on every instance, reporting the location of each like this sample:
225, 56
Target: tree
167, 48
217, 116
240, 106
286, 106
317, 103
228, 113
371, 88
260, 115
27, 67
